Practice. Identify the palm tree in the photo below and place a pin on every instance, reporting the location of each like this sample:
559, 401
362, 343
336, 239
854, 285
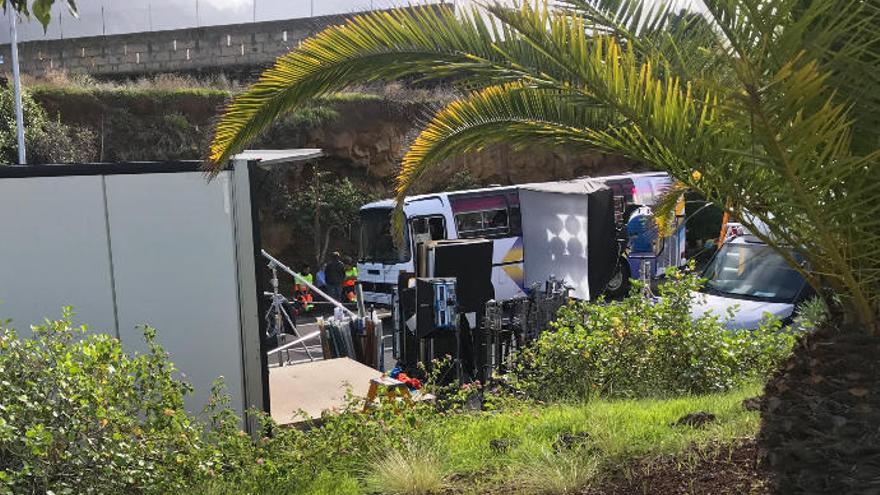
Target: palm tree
769, 107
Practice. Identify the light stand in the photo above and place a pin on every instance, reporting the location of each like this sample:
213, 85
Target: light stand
277, 315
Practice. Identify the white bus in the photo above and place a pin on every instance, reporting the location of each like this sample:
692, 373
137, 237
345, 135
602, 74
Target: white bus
489, 213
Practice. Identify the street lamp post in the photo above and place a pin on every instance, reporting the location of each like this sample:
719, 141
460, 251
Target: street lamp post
16, 85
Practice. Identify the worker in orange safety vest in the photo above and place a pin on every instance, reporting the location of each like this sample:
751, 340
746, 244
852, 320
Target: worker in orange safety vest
348, 286
301, 292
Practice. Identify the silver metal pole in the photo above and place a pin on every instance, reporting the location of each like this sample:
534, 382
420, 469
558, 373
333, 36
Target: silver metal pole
308, 284
293, 343
16, 84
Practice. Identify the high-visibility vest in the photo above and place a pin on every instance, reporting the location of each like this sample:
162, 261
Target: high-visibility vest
349, 283
303, 293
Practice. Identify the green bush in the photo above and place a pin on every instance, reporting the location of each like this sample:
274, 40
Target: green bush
79, 416
640, 347
46, 140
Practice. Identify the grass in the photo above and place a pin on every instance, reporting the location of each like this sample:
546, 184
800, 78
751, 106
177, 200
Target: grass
526, 456
551, 449
409, 471
554, 473
618, 431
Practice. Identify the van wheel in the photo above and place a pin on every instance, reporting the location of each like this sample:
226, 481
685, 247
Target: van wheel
618, 286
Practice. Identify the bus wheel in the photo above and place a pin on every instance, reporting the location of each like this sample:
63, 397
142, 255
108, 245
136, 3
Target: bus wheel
618, 286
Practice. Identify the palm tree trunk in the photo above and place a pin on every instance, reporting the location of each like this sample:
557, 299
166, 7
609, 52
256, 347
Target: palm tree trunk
820, 428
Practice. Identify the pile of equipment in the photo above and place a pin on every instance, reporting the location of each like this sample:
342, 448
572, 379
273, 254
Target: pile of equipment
511, 324
447, 309
358, 338
439, 309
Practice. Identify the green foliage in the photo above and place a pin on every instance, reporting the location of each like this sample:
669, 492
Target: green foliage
356, 453
639, 347
325, 208
132, 123
811, 315
557, 473
77, 415
161, 120
292, 130
46, 140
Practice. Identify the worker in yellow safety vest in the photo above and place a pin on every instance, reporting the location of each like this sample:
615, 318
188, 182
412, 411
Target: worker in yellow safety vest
348, 290
301, 292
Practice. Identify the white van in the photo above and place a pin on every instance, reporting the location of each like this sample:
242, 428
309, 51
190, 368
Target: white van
748, 275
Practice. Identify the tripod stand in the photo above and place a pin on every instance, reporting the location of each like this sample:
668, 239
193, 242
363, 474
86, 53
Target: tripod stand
277, 315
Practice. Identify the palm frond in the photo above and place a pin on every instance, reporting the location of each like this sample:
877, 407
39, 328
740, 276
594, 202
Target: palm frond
514, 113
380, 45
424, 43
682, 40
621, 108
775, 103
666, 205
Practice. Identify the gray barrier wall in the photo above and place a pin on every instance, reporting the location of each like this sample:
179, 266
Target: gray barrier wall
158, 248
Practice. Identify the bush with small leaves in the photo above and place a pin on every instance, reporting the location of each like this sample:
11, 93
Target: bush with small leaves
642, 347
79, 416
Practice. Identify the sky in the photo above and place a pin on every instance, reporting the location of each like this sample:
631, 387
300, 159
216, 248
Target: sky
127, 16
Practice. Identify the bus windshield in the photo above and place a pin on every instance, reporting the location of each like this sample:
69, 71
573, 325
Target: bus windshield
752, 271
377, 245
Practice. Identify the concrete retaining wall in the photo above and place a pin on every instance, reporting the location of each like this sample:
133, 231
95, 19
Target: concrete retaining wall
234, 46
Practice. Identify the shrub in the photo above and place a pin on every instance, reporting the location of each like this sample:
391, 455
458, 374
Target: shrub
77, 415
642, 347
46, 140
811, 315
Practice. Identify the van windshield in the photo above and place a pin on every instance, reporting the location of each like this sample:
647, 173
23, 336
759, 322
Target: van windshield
752, 271
377, 245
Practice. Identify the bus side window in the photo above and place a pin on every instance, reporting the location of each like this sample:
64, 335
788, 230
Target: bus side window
437, 228
493, 224
428, 228
496, 220
469, 223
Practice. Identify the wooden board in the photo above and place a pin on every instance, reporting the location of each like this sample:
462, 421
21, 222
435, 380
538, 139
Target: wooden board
315, 387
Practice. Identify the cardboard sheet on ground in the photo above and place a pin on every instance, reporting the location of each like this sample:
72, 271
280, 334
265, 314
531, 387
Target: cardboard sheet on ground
315, 387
